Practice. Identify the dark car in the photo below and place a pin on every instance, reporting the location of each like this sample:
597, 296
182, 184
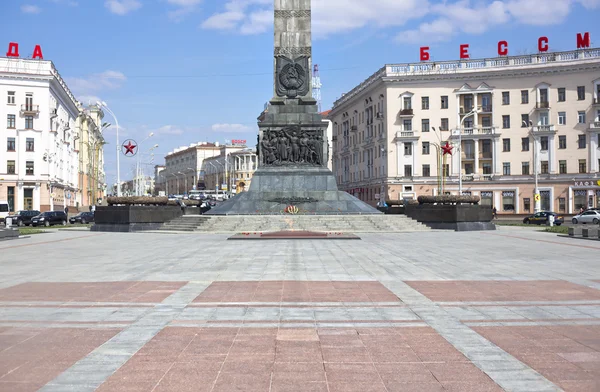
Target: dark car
23, 217
82, 217
50, 218
541, 218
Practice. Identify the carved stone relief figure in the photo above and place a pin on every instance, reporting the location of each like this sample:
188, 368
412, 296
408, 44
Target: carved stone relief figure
292, 146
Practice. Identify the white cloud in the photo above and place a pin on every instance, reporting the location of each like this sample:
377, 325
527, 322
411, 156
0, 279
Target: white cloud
440, 20
86, 88
30, 9
88, 99
184, 8
229, 128
71, 3
122, 7
168, 130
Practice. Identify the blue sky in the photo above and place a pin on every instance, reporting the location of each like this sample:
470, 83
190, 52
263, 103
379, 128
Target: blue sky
201, 70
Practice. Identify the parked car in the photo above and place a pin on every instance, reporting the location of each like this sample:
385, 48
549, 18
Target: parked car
4, 210
589, 216
82, 217
23, 217
50, 218
541, 218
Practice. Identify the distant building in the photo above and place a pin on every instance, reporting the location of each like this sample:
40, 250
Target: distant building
159, 180
184, 167
232, 169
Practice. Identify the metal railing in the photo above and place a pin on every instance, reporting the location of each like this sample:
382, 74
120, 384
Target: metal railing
542, 105
27, 108
544, 128
406, 112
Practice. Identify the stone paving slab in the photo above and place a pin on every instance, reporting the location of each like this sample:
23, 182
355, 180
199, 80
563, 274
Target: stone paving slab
401, 312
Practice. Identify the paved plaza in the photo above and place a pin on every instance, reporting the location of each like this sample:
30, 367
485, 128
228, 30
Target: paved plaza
513, 310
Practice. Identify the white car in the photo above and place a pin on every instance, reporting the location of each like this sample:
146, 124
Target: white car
589, 216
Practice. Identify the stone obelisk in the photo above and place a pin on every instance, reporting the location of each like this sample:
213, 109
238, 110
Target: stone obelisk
292, 142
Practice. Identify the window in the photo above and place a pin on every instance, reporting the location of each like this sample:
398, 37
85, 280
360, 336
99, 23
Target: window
407, 103
562, 95
527, 204
562, 167
582, 166
487, 168
486, 121
10, 167
524, 96
505, 98
581, 141
524, 120
425, 103
544, 143
29, 144
444, 126
486, 198
544, 169
10, 144
11, 198
425, 125
580, 93
444, 102
425, 148
562, 142
407, 149
28, 122
561, 204
10, 121
580, 199
426, 171
506, 168
446, 169
545, 200
525, 144
525, 168
508, 201
562, 118
11, 98
486, 146
506, 121
581, 117
407, 170
29, 168
506, 145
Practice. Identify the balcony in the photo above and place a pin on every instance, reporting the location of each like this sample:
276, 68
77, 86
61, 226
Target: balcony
466, 109
468, 156
31, 110
485, 155
468, 177
485, 109
483, 131
488, 177
542, 105
406, 113
596, 102
595, 125
406, 135
354, 128
544, 129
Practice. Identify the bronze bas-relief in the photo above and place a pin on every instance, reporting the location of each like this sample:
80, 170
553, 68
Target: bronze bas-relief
292, 146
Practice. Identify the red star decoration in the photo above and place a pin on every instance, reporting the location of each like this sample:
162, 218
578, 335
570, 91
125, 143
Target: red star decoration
129, 148
447, 149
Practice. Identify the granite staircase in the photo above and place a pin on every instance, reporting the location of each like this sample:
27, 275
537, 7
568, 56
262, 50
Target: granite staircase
269, 223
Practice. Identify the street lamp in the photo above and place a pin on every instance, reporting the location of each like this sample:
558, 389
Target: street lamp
536, 196
471, 113
103, 104
137, 174
216, 174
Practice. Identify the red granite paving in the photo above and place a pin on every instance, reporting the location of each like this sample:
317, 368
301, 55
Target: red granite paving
536, 290
296, 291
91, 291
569, 356
30, 358
291, 360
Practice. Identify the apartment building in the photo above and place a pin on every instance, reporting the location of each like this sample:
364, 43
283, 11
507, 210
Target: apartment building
504, 118
232, 170
184, 167
90, 142
39, 154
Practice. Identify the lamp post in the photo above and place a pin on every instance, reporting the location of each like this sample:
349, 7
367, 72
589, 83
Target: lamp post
216, 174
103, 104
536, 196
462, 121
138, 171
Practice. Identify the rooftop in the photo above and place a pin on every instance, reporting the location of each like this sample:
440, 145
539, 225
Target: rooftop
453, 67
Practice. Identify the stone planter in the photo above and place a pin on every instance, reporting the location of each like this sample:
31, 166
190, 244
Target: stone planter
133, 218
458, 217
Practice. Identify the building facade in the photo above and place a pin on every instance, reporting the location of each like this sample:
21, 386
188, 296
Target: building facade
39, 155
184, 167
232, 170
92, 179
505, 118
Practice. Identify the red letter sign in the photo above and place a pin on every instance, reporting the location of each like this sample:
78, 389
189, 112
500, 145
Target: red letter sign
543, 44
464, 51
13, 50
424, 53
502, 48
37, 52
583, 42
